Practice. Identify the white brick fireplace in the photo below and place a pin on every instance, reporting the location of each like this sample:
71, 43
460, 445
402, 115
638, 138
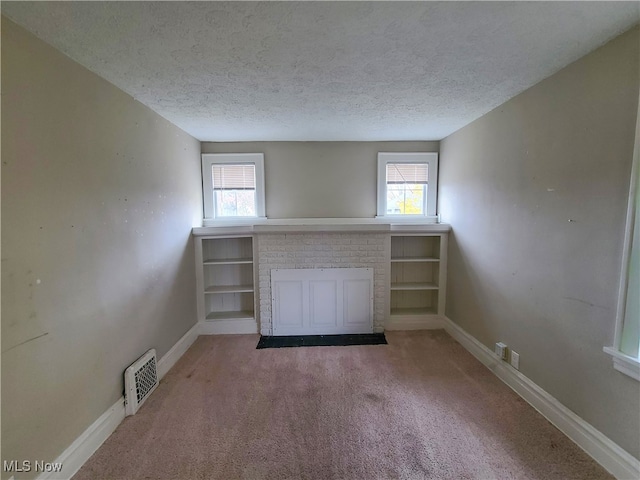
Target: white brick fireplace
234, 266
322, 250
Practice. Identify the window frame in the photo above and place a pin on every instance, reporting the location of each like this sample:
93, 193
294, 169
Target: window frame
622, 362
431, 159
209, 207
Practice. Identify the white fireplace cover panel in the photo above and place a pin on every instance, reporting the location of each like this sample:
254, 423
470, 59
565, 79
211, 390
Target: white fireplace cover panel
322, 301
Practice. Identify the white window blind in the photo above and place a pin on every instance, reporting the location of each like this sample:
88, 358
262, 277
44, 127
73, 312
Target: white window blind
411, 173
234, 177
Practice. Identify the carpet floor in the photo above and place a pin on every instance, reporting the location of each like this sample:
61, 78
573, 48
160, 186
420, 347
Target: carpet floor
420, 407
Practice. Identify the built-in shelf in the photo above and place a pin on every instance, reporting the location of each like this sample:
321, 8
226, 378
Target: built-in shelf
418, 277
226, 278
226, 269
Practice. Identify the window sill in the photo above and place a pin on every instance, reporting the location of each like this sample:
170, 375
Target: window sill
409, 219
624, 363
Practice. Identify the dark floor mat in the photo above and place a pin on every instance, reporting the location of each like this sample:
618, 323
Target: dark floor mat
322, 340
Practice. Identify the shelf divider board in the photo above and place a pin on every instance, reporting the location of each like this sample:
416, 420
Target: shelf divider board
228, 261
414, 286
415, 259
442, 280
229, 289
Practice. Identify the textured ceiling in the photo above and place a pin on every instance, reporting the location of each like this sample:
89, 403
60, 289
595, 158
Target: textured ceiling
242, 71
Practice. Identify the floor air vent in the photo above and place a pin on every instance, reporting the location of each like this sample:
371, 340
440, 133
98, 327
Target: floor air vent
140, 380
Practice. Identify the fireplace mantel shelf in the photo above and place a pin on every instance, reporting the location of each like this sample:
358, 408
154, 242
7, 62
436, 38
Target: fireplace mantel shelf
321, 225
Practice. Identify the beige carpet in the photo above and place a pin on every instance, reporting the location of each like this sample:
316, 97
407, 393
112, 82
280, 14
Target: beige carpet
419, 408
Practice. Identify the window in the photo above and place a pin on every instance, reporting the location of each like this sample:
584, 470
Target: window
407, 185
626, 344
233, 186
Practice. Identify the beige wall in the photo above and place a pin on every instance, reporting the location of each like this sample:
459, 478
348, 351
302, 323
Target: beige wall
536, 193
320, 179
98, 198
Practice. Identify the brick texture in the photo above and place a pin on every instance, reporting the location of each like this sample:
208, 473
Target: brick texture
322, 250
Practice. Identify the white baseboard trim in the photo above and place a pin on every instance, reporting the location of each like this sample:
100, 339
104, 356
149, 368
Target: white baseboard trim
170, 358
602, 449
413, 322
228, 327
87, 443
93, 437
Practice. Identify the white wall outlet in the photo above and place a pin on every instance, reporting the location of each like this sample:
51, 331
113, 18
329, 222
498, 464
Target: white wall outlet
501, 350
515, 360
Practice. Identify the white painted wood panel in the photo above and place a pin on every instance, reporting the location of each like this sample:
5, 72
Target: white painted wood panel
289, 303
357, 311
322, 301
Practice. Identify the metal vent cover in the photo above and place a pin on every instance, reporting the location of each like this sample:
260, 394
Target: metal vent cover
140, 380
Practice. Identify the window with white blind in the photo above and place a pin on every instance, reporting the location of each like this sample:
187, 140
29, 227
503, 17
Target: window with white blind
233, 185
407, 185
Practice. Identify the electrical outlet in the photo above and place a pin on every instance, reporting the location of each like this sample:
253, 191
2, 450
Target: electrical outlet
515, 360
501, 350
